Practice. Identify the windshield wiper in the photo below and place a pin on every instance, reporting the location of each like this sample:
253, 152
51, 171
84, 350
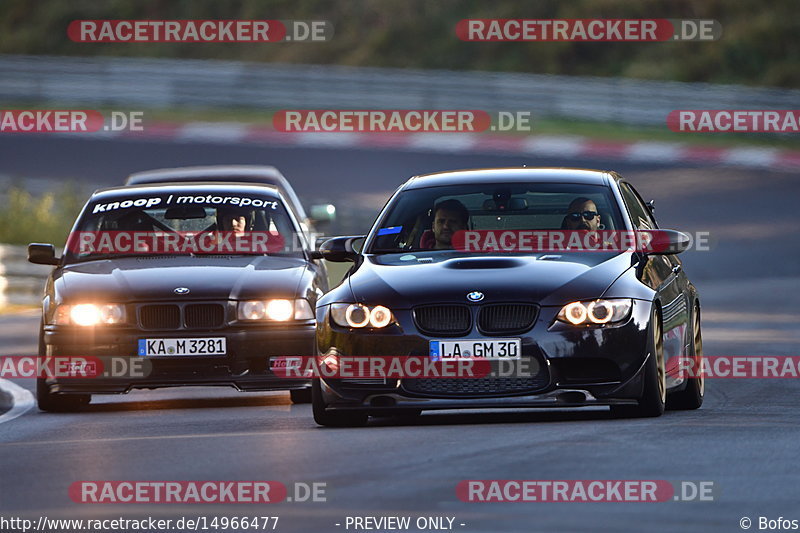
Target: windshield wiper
388, 251
96, 257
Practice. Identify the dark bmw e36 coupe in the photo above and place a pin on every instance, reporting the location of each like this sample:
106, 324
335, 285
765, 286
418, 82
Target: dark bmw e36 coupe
595, 327
187, 283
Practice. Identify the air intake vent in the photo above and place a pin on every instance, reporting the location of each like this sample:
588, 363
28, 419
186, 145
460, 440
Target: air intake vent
446, 320
477, 387
160, 317
203, 315
502, 319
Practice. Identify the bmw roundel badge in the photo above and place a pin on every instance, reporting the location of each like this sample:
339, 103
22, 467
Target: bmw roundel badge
475, 296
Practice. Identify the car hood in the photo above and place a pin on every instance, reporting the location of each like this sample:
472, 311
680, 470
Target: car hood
154, 278
403, 282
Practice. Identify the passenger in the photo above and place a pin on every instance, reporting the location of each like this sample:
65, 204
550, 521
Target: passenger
582, 215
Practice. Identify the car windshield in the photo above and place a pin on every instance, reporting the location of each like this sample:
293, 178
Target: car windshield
427, 218
184, 223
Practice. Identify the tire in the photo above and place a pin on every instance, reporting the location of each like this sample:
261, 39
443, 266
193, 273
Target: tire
56, 403
653, 400
333, 419
300, 396
691, 397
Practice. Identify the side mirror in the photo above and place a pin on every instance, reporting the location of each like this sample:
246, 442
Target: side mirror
339, 249
322, 213
42, 254
651, 205
667, 242
320, 240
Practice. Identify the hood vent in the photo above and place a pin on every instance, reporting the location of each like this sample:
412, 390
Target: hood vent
470, 263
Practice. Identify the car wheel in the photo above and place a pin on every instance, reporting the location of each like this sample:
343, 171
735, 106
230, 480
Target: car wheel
301, 395
333, 419
653, 399
692, 396
55, 403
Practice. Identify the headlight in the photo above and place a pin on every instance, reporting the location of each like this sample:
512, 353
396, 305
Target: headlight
361, 316
596, 312
276, 310
89, 314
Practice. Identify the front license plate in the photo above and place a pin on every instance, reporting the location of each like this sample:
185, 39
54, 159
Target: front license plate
179, 347
476, 348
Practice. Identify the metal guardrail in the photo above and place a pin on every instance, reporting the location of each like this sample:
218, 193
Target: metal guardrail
21, 283
169, 83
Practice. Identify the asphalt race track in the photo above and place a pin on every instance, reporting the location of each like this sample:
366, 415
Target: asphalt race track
744, 439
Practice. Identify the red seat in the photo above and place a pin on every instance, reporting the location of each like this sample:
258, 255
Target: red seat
427, 241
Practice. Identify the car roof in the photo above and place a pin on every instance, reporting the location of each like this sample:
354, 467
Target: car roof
222, 173
246, 173
512, 175
197, 188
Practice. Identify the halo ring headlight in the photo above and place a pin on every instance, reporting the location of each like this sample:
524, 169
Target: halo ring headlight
357, 315
575, 313
604, 316
599, 312
380, 317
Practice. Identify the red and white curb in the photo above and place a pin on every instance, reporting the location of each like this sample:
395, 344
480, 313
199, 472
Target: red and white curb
14, 400
485, 143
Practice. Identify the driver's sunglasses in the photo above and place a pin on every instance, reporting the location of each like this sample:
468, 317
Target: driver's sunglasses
587, 215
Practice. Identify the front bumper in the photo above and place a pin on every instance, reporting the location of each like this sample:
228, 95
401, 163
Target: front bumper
388, 402
246, 366
577, 366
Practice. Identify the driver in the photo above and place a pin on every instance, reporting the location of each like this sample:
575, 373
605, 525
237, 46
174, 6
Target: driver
449, 216
234, 219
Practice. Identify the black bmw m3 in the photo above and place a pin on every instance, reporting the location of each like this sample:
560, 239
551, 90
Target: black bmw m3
177, 284
585, 326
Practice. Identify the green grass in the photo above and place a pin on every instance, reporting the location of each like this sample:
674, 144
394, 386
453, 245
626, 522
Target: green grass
607, 131
48, 217
617, 132
336, 272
